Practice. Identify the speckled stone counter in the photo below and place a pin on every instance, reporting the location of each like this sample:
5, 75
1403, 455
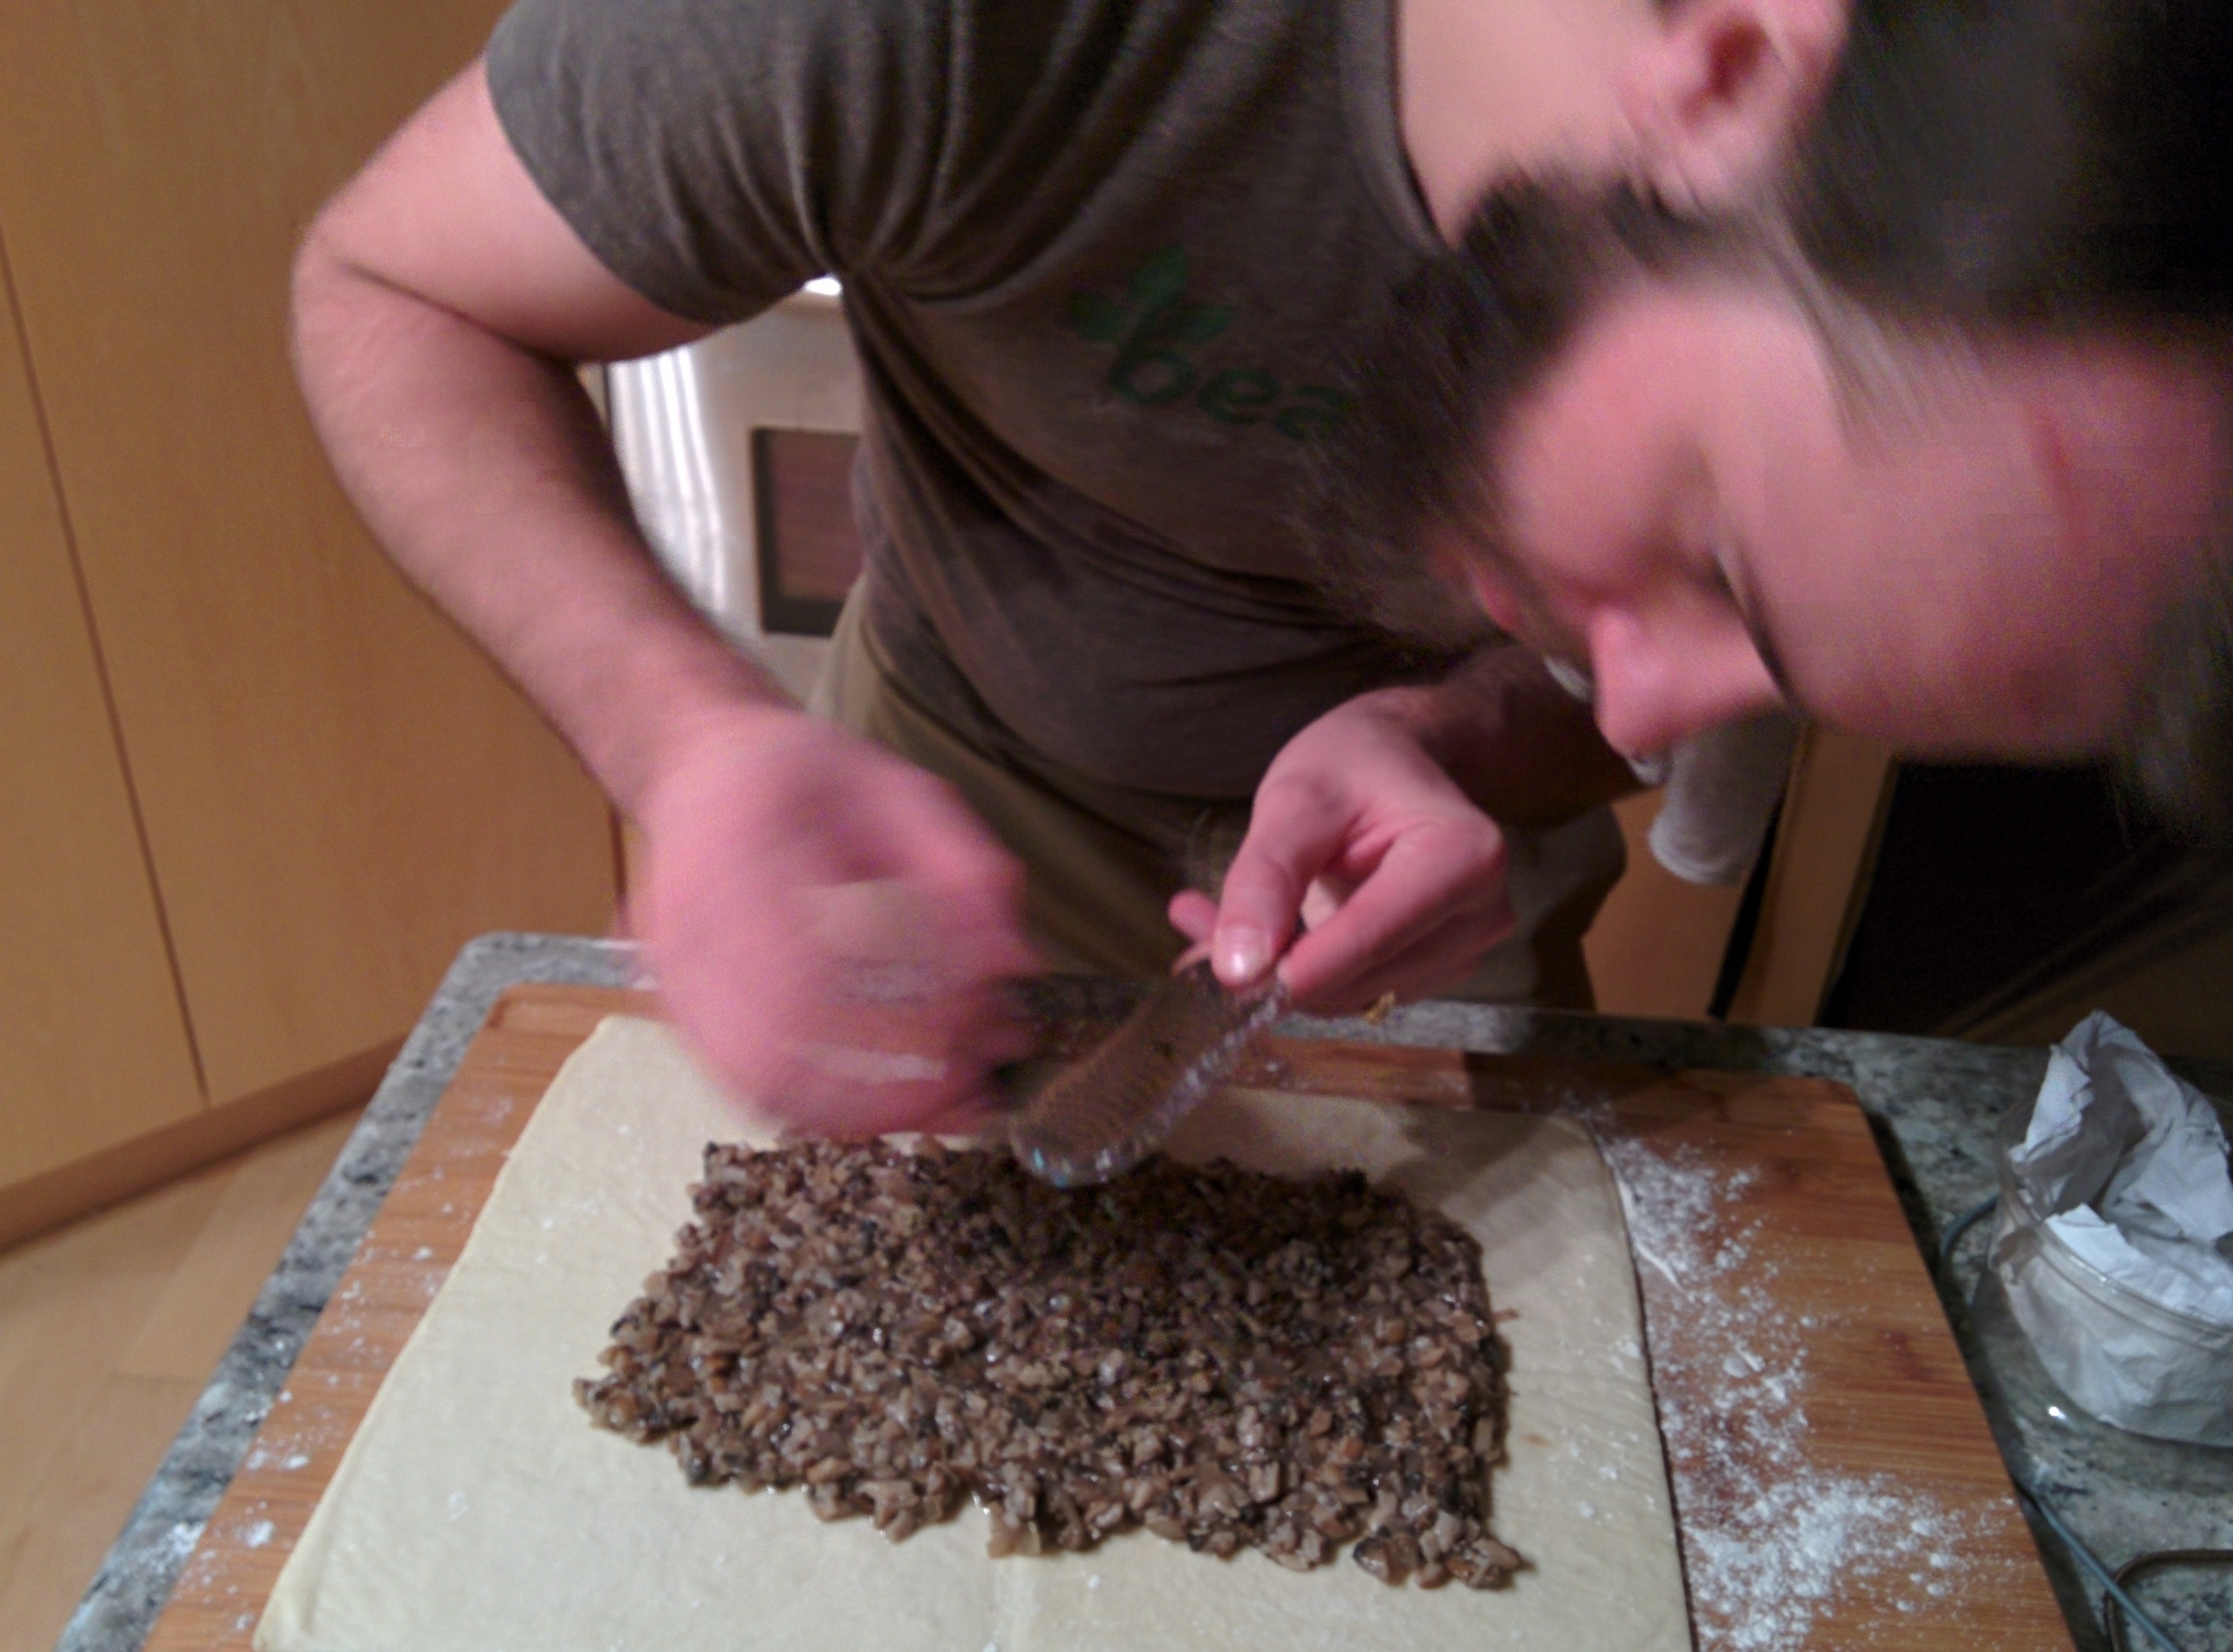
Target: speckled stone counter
1932, 1104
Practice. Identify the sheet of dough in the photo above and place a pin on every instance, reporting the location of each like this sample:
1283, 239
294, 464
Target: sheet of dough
477, 1510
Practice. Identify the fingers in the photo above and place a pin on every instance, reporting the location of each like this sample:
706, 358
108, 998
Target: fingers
1406, 915
850, 1070
832, 929
1434, 903
1194, 915
898, 1008
931, 837
1296, 832
1431, 967
921, 957
971, 1117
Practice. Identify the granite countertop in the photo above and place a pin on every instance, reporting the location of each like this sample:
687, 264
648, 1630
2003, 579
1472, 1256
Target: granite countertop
1931, 1101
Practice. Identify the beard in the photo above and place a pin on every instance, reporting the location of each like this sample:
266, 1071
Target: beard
1406, 490
2177, 751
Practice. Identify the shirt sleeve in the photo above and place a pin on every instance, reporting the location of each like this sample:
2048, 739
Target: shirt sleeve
715, 155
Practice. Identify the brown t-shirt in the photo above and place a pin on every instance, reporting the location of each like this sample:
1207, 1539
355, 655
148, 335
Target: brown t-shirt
1103, 260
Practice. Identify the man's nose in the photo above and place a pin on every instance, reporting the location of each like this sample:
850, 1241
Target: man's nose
1657, 689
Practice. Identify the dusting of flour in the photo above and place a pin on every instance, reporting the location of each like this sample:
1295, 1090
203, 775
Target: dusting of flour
1771, 1540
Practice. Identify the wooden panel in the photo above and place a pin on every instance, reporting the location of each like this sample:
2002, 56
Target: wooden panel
1811, 1220
93, 1046
58, 1196
337, 791
1657, 946
1817, 878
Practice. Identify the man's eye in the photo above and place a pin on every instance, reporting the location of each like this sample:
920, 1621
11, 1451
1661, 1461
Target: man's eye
1721, 586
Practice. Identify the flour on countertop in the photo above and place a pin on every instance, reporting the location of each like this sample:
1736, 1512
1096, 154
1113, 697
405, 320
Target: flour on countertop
1771, 1541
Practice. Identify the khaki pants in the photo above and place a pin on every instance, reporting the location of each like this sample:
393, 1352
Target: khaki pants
1103, 861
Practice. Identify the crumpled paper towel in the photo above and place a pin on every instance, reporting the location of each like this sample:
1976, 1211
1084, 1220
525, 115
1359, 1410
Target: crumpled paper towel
2123, 1166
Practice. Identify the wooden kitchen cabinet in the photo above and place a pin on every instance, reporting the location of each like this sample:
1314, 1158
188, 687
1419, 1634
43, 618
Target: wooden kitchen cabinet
1661, 948
269, 792
93, 1044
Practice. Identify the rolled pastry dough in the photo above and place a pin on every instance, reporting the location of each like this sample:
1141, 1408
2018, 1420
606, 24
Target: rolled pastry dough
477, 1509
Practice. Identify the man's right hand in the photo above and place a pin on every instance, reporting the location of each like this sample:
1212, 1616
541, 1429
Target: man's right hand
830, 924
832, 928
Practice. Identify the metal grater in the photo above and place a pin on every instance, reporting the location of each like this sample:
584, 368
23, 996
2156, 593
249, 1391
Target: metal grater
1105, 1113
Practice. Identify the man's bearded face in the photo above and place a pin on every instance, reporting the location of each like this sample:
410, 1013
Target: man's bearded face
1664, 453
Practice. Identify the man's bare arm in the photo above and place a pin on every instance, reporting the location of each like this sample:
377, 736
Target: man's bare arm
439, 301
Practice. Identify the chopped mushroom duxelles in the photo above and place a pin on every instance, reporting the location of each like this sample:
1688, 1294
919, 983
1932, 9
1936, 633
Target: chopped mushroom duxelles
1225, 1358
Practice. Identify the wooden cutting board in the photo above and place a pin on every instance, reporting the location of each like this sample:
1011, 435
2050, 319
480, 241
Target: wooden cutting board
1773, 1255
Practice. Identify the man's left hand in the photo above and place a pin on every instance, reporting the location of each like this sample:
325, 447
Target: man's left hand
1360, 834
1375, 828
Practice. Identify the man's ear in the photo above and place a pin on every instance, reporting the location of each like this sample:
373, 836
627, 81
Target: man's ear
1718, 100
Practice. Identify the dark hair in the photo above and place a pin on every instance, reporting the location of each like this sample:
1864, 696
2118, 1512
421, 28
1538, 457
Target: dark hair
2177, 749
2034, 163
1460, 340
2043, 160
2060, 163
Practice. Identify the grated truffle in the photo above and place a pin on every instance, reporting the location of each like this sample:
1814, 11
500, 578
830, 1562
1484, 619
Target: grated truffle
1228, 1359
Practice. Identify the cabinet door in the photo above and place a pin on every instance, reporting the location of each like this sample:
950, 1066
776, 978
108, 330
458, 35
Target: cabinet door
337, 791
1658, 944
1817, 878
94, 1047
